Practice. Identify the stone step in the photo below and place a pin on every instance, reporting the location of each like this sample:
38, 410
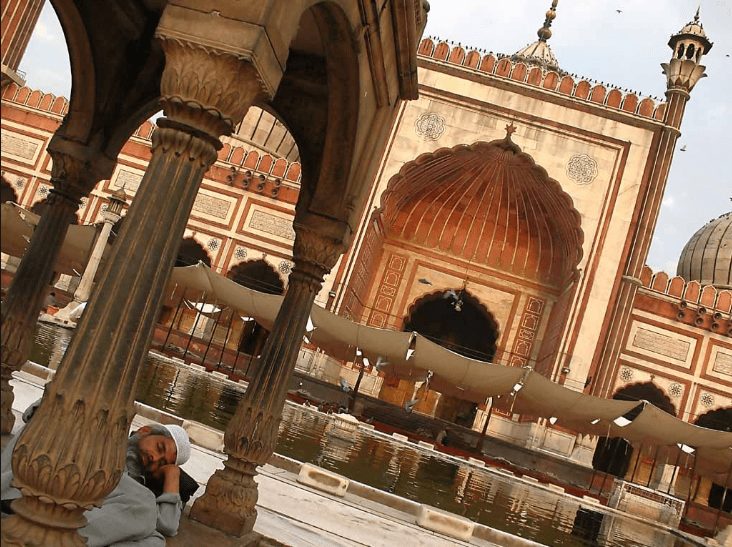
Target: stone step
322, 479
445, 523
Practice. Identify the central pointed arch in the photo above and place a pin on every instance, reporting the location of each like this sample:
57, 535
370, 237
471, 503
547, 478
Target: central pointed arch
490, 203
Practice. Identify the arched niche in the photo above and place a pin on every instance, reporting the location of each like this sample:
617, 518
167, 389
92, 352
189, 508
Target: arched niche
719, 419
613, 455
7, 192
456, 320
191, 253
257, 275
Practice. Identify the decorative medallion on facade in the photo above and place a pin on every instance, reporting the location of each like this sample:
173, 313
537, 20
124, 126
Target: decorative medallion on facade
240, 253
706, 399
675, 390
430, 126
19, 183
582, 169
213, 244
285, 267
626, 374
43, 190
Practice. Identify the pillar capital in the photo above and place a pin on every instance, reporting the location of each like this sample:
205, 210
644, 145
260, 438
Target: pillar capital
76, 170
320, 247
206, 89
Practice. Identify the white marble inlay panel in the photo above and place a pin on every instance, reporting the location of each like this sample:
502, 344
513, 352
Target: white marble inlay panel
661, 344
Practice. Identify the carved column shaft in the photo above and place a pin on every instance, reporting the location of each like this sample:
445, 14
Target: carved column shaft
250, 439
72, 179
83, 291
72, 453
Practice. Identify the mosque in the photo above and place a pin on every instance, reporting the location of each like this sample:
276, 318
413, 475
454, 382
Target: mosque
508, 220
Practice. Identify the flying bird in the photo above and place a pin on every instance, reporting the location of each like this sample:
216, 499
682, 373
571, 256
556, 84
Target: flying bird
682, 149
424, 281
344, 384
619, 10
409, 405
380, 362
451, 294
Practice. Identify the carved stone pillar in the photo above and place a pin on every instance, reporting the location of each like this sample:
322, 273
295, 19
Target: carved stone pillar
71, 455
72, 179
250, 439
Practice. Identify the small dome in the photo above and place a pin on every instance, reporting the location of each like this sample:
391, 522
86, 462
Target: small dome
537, 53
707, 257
693, 30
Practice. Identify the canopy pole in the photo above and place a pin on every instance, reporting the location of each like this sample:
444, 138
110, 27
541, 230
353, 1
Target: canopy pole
226, 339
676, 470
354, 393
691, 485
721, 503
213, 331
637, 461
653, 467
481, 437
172, 322
195, 324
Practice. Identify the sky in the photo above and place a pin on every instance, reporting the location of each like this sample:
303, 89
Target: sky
591, 39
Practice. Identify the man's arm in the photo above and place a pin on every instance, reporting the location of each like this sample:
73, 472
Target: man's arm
170, 506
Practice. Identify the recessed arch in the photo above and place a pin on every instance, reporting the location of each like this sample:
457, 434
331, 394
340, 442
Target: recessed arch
488, 203
191, 253
7, 192
455, 319
257, 275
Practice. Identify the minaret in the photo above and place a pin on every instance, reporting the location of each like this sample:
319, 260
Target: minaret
539, 52
682, 72
19, 18
684, 69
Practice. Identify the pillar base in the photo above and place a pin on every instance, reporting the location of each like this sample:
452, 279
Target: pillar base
195, 534
214, 519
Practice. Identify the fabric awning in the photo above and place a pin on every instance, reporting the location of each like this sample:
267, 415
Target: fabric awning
17, 230
413, 356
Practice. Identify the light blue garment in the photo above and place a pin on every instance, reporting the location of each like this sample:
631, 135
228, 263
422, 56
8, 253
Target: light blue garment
129, 517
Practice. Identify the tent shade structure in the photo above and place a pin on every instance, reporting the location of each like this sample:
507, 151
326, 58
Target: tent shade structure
17, 230
412, 356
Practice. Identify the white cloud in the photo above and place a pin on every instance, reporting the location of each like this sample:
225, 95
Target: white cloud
668, 201
43, 33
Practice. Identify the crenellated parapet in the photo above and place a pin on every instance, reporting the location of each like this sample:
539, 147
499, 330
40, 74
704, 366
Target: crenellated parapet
246, 166
703, 306
557, 81
36, 99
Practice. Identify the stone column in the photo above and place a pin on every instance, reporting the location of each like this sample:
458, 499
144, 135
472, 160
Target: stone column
71, 455
250, 439
72, 179
82, 292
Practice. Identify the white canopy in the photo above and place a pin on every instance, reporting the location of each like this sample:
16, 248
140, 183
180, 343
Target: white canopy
17, 230
476, 380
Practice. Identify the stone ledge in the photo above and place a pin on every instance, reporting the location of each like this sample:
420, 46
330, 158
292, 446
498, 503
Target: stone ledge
192, 366
428, 446
445, 523
475, 461
323, 480
219, 375
156, 415
400, 437
204, 436
386, 499
195, 534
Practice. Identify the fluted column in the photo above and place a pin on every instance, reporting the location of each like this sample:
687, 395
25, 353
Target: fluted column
72, 179
71, 455
251, 436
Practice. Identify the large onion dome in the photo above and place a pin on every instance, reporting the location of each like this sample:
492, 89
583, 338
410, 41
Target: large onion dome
707, 257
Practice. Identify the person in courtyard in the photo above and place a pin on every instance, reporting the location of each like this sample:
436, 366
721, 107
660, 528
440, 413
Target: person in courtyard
147, 504
50, 301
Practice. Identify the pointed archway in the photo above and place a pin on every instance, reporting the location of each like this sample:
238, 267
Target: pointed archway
719, 420
259, 276
7, 192
614, 454
456, 320
191, 253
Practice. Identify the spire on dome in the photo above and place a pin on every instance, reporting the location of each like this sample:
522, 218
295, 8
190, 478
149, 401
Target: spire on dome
538, 52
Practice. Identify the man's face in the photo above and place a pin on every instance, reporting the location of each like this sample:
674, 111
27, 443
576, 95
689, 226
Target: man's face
155, 451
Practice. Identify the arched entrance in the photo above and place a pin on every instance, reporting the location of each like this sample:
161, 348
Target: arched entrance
719, 420
613, 455
7, 192
191, 253
259, 276
456, 320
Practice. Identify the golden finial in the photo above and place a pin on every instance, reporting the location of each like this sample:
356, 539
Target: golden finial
545, 32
